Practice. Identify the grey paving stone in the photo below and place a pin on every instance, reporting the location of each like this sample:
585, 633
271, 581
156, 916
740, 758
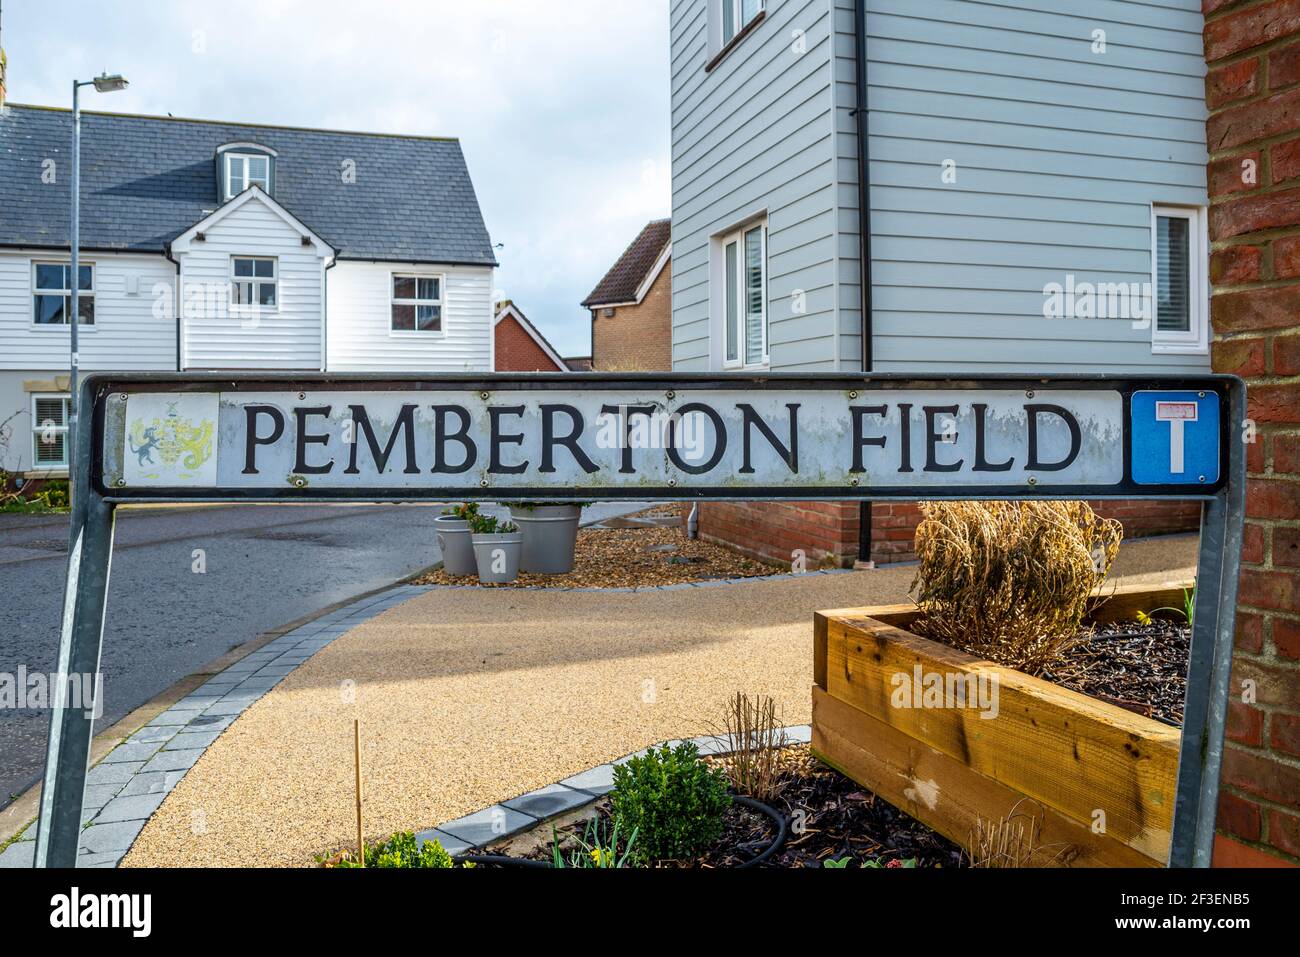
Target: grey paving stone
113, 773
21, 854
173, 760
102, 838
135, 807
597, 781
258, 686
192, 739
452, 845
151, 735
197, 702
231, 705
548, 801
211, 722
107, 859
711, 744
97, 795
487, 825
799, 735
173, 716
273, 671
131, 751
155, 782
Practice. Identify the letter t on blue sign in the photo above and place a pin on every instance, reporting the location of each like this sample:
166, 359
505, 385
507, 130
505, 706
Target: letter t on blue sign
1175, 438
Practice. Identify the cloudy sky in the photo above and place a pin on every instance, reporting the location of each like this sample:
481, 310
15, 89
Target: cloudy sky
562, 108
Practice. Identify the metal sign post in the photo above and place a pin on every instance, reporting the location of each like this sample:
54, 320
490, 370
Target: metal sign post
290, 438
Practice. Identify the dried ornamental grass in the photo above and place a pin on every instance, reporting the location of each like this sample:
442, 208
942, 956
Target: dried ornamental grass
1011, 581
755, 738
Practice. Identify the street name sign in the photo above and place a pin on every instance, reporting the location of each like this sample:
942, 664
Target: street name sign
302, 438
635, 438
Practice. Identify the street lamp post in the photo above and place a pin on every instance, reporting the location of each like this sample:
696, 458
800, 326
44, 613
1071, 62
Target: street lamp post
104, 84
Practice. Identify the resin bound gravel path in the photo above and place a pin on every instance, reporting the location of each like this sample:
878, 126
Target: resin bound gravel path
473, 696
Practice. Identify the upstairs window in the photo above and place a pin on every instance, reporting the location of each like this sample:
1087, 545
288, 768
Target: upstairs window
52, 294
744, 297
736, 15
1180, 281
417, 303
50, 431
254, 281
244, 170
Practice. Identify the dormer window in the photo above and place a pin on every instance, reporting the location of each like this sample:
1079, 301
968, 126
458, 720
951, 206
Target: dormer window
241, 165
243, 171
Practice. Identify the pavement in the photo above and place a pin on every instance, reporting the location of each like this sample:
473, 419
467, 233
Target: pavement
468, 698
170, 614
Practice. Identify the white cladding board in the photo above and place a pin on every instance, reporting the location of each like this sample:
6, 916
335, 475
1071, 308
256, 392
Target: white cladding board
644, 440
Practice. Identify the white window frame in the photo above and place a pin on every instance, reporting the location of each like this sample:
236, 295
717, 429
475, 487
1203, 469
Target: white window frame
66, 293
440, 302
1196, 340
737, 236
228, 176
256, 281
38, 429
737, 18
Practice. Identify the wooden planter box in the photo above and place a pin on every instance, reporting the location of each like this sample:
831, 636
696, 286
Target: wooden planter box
1071, 755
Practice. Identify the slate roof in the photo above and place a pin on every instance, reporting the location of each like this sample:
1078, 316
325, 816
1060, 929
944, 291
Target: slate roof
146, 179
624, 279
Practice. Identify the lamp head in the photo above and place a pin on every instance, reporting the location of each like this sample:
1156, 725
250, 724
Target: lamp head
110, 84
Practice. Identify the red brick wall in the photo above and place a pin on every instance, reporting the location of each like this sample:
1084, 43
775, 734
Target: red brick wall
517, 351
1253, 91
636, 338
827, 532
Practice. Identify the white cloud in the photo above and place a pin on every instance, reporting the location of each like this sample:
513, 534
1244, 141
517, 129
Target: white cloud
562, 108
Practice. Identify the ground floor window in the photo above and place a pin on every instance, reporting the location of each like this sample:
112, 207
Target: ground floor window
50, 431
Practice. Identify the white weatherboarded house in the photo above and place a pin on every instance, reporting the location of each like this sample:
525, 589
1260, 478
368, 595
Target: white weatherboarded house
222, 246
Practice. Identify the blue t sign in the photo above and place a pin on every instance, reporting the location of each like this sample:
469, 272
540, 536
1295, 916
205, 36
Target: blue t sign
1175, 438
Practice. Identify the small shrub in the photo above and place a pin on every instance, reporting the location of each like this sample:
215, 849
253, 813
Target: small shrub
1011, 581
401, 850
672, 800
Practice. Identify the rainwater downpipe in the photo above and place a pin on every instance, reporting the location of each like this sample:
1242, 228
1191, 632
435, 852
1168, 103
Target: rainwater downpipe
862, 115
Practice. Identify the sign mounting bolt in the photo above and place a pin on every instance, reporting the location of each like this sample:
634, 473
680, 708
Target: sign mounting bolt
302, 396
672, 483
855, 481
1029, 394
672, 395
120, 483
483, 483
1202, 480
484, 396
853, 395
1032, 479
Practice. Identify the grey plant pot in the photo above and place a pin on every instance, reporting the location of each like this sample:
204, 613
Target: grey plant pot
501, 551
457, 549
550, 533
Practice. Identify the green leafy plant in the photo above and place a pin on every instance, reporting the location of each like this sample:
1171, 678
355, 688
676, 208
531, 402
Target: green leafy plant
672, 799
875, 865
490, 525
401, 850
1188, 611
593, 851
465, 512
840, 865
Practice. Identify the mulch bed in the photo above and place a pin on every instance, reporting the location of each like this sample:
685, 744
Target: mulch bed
1139, 667
835, 818
633, 557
